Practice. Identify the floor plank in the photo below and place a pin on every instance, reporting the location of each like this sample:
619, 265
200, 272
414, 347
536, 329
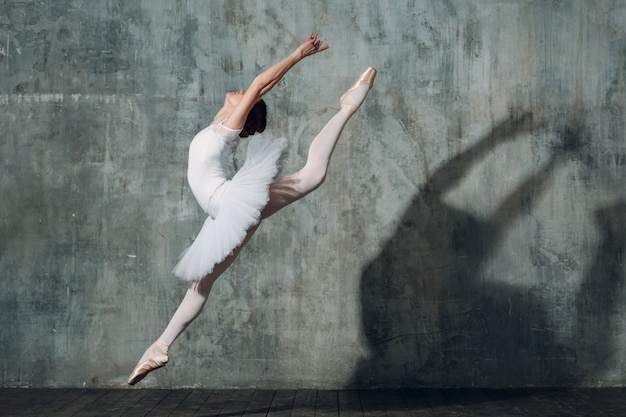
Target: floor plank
416, 402
260, 403
395, 404
191, 404
49, 400
326, 404
164, 405
304, 403
147, 401
432, 402
373, 403
109, 404
215, 403
81, 403
236, 403
282, 403
350, 403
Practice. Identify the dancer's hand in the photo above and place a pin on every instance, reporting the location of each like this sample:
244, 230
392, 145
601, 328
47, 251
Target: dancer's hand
311, 46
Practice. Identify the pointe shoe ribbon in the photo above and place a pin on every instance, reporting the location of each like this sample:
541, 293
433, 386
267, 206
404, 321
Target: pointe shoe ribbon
348, 103
144, 368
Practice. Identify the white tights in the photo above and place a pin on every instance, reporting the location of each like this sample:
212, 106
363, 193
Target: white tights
283, 191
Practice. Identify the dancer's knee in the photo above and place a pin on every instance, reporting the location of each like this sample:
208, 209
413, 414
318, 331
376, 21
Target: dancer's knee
312, 177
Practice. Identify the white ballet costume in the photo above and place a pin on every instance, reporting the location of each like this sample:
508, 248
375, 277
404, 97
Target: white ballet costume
233, 206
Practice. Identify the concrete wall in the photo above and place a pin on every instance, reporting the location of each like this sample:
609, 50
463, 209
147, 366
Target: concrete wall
471, 231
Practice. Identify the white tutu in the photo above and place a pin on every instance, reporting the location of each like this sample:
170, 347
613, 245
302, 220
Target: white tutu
242, 199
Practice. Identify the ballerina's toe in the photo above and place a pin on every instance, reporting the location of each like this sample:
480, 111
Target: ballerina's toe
351, 100
144, 368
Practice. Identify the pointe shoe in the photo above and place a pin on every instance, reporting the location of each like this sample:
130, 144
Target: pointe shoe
143, 368
350, 103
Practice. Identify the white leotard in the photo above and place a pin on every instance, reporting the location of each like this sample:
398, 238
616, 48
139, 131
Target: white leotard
233, 205
208, 164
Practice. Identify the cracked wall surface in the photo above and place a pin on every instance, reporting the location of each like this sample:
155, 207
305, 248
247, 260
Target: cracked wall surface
471, 230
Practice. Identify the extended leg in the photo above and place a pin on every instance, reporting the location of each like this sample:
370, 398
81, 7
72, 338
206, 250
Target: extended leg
289, 188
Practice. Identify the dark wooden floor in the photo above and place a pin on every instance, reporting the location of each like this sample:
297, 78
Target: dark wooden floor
309, 403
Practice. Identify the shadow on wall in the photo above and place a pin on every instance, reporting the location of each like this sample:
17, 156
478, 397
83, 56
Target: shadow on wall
428, 317
602, 293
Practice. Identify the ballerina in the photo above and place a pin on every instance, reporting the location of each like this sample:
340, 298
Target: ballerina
236, 207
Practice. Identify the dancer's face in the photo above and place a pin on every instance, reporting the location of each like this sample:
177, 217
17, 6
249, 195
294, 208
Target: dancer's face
234, 97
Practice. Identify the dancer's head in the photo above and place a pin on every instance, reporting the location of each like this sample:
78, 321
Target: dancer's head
257, 118
256, 121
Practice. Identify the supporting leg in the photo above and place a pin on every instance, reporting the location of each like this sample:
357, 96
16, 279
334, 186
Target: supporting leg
198, 292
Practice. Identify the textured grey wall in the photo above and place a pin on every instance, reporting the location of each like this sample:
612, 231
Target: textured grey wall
471, 231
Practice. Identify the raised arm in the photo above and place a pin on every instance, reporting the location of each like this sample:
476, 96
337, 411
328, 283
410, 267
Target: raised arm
265, 81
